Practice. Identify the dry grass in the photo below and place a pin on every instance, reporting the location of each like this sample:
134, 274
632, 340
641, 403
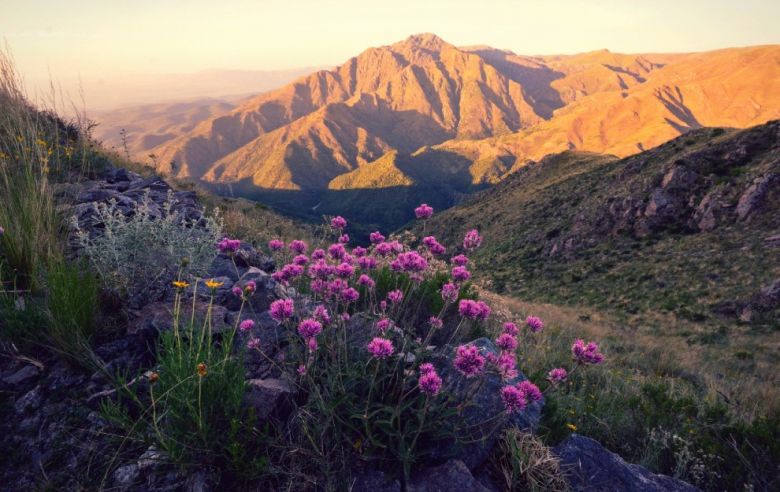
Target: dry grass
523, 462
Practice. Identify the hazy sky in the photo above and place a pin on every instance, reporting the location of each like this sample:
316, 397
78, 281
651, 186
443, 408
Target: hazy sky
99, 38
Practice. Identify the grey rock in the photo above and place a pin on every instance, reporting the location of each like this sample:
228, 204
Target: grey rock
679, 177
374, 481
158, 316
590, 467
125, 476
754, 195
22, 376
269, 397
31, 401
452, 476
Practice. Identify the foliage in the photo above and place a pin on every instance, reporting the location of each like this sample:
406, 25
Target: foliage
134, 253
521, 462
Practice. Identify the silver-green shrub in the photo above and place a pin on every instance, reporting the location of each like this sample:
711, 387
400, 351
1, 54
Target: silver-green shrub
134, 253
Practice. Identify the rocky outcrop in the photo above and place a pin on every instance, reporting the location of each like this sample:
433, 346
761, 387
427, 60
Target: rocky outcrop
754, 195
590, 467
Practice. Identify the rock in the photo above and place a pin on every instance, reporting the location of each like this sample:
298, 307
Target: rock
269, 397
679, 177
589, 466
452, 476
22, 376
200, 481
248, 256
267, 290
158, 316
709, 211
151, 458
125, 476
480, 431
754, 195
773, 240
374, 481
30, 401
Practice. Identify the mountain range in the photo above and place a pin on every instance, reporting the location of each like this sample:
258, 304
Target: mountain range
424, 120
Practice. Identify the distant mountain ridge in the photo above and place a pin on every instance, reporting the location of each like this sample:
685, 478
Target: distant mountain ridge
422, 112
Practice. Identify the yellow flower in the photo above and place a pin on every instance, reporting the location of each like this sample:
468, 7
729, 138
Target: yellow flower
572, 427
180, 284
202, 369
213, 284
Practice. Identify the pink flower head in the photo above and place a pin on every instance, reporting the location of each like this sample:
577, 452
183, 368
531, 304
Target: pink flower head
534, 324
301, 370
367, 262
511, 328
506, 342
383, 306
586, 353
426, 368
282, 309
384, 249
298, 246
253, 343
345, 270
337, 251
423, 211
530, 390
301, 260
228, 245
395, 296
338, 222
469, 308
345, 316
514, 399
460, 260
557, 375
318, 254
507, 365
321, 314
366, 281
472, 240
468, 360
344, 238
275, 244
383, 325
435, 322
429, 382
381, 348
246, 325
321, 270
376, 237
317, 285
359, 251
460, 274
449, 292
349, 295
250, 287
311, 343
409, 262
309, 328
237, 291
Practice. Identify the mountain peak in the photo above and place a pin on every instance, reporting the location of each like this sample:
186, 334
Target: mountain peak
425, 40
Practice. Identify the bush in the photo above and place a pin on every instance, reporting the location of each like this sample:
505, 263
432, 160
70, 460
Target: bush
134, 254
193, 411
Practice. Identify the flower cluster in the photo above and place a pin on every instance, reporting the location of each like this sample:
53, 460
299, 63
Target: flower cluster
430, 383
468, 360
228, 246
423, 211
478, 310
586, 353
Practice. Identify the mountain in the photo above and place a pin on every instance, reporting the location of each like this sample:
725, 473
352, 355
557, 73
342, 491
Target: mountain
425, 114
689, 228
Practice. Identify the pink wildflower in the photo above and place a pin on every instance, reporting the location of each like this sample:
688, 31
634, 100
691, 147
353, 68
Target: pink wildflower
338, 222
253, 343
345, 270
586, 354
395, 296
376, 237
381, 348
506, 342
367, 262
321, 314
337, 251
359, 251
344, 238
301, 370
311, 343
449, 292
557, 375
301, 260
366, 281
318, 254
534, 324
472, 240
309, 328
228, 245
430, 383
507, 365
246, 325
511, 328
298, 246
514, 399
468, 360
530, 390
349, 295
237, 291
423, 211
282, 309
275, 244
460, 274
460, 260
435, 322
383, 325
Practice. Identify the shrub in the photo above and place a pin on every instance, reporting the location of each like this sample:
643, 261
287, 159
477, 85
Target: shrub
193, 410
137, 253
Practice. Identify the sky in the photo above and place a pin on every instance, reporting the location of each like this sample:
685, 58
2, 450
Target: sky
91, 39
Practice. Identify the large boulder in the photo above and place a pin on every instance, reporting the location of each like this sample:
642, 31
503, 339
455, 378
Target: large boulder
591, 467
484, 417
753, 197
451, 476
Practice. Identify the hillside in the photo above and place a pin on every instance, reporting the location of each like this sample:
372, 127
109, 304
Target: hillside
689, 228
